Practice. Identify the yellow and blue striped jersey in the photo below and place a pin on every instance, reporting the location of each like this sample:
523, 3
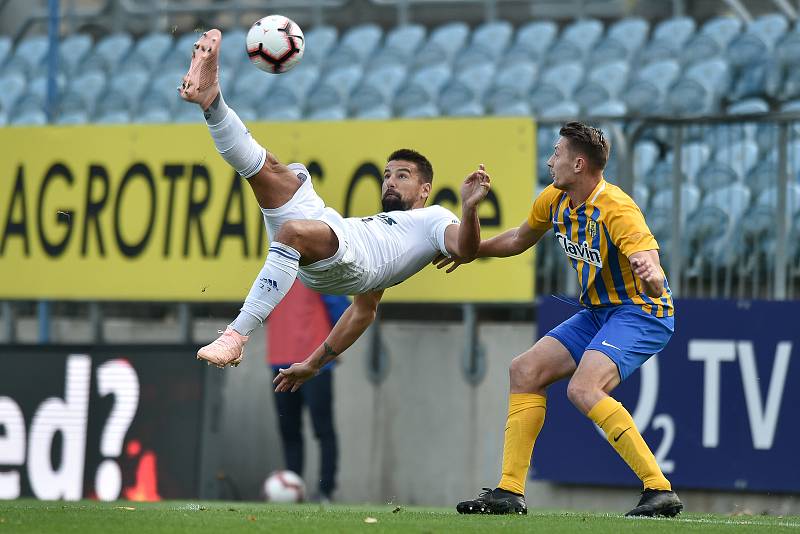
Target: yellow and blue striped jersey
598, 237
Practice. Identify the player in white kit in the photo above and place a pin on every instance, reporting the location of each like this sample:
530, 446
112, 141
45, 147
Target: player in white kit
330, 254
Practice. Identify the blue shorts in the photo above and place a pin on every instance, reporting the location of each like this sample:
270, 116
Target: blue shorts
626, 334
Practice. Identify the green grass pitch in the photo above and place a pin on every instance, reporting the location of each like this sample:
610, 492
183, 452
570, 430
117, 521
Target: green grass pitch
87, 517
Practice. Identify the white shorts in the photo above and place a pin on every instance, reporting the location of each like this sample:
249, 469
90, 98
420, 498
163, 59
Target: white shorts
344, 272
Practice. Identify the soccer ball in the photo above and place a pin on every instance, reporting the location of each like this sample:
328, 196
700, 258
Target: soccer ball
275, 44
284, 486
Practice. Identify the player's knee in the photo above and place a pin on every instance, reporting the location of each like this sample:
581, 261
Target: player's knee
578, 391
290, 233
523, 372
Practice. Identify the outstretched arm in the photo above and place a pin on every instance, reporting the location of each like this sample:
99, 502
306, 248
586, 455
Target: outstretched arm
353, 322
510, 243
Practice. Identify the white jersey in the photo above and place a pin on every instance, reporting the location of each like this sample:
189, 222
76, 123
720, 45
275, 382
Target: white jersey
399, 244
374, 252
379, 251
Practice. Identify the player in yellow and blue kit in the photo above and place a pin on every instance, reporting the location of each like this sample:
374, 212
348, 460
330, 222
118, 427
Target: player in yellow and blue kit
627, 316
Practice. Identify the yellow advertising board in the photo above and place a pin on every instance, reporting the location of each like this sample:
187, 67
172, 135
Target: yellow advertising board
154, 213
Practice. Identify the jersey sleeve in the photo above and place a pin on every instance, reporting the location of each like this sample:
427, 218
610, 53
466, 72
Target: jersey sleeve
539, 216
436, 223
628, 230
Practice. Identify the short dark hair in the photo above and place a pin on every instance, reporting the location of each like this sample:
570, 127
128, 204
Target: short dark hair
423, 165
589, 141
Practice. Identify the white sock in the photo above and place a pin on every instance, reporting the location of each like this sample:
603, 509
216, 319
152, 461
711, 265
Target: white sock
233, 139
272, 284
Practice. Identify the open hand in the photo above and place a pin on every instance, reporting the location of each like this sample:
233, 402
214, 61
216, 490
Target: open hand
292, 378
441, 261
476, 186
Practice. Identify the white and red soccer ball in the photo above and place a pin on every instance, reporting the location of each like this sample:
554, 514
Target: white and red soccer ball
275, 44
284, 487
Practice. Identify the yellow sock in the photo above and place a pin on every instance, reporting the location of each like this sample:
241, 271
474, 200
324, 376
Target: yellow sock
623, 435
525, 420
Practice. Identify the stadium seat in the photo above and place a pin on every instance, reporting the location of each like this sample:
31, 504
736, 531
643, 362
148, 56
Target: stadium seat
5, 49
131, 84
564, 109
623, 39
769, 197
641, 195
694, 156
28, 117
292, 88
661, 176
609, 108
690, 199
604, 82
280, 113
426, 110
149, 51
668, 40
546, 137
752, 81
763, 175
791, 85
532, 42
712, 40
372, 98
741, 156
331, 113
701, 88
155, 103
153, 115
443, 44
488, 42
189, 113
166, 81
381, 112
645, 155
179, 55
400, 45
423, 91
28, 56
250, 87
758, 40
13, 84
511, 85
792, 105
463, 95
557, 83
89, 86
113, 116
232, 52
575, 41
72, 51
660, 223
37, 87
73, 117
356, 46
646, 93
334, 89
747, 107
512, 108
107, 53
733, 198
320, 40
787, 50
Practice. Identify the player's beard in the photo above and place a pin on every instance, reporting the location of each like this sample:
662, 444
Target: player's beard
393, 202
